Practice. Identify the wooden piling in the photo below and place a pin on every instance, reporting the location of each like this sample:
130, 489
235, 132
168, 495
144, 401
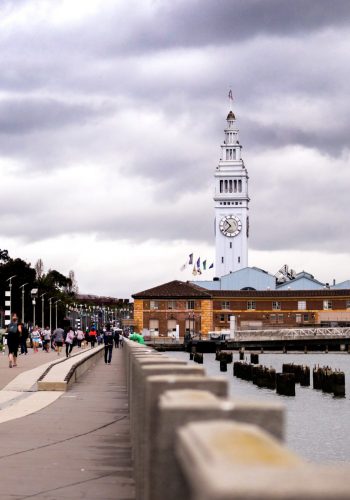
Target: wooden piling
285, 384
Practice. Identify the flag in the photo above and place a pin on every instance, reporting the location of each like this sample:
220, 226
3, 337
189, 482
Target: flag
190, 262
194, 272
198, 263
211, 266
230, 96
204, 265
183, 267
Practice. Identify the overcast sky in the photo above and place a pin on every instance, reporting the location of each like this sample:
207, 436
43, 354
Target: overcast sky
111, 117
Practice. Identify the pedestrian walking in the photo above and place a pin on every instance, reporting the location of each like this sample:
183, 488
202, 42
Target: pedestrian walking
69, 342
46, 339
23, 339
108, 342
116, 338
35, 338
58, 338
92, 337
13, 331
80, 337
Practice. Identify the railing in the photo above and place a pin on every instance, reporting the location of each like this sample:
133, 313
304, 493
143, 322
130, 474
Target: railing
191, 442
293, 333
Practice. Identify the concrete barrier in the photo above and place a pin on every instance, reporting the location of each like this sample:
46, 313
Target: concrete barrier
60, 376
178, 407
222, 460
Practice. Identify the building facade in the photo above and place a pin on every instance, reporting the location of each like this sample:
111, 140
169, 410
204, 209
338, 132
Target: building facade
231, 204
195, 309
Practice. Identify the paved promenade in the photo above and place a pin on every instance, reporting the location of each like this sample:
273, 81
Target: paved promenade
77, 447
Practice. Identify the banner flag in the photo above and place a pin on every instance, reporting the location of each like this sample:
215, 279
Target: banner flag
198, 263
204, 265
211, 266
190, 262
194, 272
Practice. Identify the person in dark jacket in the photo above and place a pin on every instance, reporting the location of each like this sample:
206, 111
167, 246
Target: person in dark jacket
116, 338
23, 339
108, 342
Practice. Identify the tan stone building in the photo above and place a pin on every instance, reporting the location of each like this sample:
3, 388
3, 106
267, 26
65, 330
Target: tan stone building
196, 309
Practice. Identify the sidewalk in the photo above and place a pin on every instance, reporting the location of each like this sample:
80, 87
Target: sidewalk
78, 447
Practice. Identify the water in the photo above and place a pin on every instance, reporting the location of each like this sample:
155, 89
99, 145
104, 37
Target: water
317, 423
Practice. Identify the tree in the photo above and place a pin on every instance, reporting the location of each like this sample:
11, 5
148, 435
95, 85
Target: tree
4, 256
39, 269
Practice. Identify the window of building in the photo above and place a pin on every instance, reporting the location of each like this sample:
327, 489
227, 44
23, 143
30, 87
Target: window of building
221, 186
306, 318
234, 154
230, 186
280, 318
251, 305
222, 318
171, 325
235, 185
327, 304
301, 305
190, 304
272, 318
154, 304
190, 325
226, 186
154, 325
227, 154
239, 259
231, 247
239, 186
347, 304
171, 304
225, 305
222, 260
298, 318
276, 306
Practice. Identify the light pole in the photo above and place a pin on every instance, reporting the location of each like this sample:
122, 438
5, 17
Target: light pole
22, 286
57, 301
42, 310
50, 302
34, 294
8, 303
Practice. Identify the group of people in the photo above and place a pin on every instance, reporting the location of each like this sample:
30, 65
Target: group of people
17, 337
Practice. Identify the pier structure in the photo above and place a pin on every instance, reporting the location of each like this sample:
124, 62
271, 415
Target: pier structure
191, 441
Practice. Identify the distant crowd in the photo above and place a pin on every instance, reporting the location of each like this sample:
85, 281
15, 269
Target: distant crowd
20, 338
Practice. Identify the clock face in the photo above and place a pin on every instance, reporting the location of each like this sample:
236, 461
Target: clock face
230, 226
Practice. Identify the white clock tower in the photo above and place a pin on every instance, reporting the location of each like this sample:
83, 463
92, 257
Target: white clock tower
231, 204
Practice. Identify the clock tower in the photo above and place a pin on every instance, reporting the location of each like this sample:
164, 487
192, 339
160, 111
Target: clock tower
231, 204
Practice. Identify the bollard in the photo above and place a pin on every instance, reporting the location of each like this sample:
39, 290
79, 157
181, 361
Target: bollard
191, 356
198, 358
305, 376
254, 358
285, 384
338, 380
316, 378
223, 366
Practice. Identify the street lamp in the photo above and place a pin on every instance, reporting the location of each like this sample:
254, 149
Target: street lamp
50, 302
34, 294
57, 301
42, 310
8, 303
22, 286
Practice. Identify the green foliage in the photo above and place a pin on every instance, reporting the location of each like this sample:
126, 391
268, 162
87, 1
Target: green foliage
53, 284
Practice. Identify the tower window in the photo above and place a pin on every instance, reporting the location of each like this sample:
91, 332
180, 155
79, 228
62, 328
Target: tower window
227, 154
226, 186
239, 259
235, 186
230, 186
221, 186
234, 154
222, 260
230, 244
239, 186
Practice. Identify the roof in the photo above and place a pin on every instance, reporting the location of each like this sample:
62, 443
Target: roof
231, 116
174, 290
324, 292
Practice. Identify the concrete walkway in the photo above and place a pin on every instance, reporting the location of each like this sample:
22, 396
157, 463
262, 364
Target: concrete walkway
78, 447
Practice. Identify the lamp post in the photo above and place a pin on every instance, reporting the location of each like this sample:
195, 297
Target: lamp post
34, 294
57, 301
50, 302
42, 310
8, 303
22, 286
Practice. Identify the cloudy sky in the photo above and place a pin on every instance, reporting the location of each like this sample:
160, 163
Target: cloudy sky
111, 116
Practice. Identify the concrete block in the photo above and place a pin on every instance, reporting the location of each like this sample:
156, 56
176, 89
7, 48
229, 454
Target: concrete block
155, 387
141, 413
222, 460
179, 407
